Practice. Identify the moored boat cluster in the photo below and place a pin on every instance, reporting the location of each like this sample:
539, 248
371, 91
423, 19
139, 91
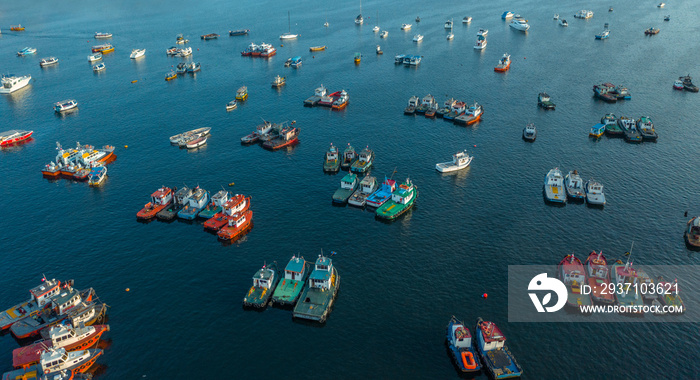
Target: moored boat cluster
336, 100
273, 136
84, 162
559, 189
633, 130
457, 111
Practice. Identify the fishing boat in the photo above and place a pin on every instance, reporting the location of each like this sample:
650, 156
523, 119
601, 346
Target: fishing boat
418, 38
413, 103
530, 132
651, 31
287, 136
264, 283
237, 204
554, 186
209, 36
342, 101
678, 85
178, 139
402, 200
503, 64
238, 225
671, 295
406, 26
70, 338
216, 205
427, 102
458, 109
160, 199
604, 92
266, 50
94, 57
384, 34
242, 94
583, 14
367, 186
195, 203
563, 22
358, 58
231, 105
574, 186
447, 107
545, 101
295, 274
364, 161
480, 43
621, 92
573, 274
99, 35
99, 48
181, 68
57, 363
460, 160
450, 36
180, 199
182, 53
137, 53
40, 297
646, 128
599, 278
65, 105
97, 175
604, 34
431, 111
629, 128
52, 170
611, 126
332, 160
17, 28
289, 35
193, 67
26, 51
520, 24
106, 49
348, 185
624, 276
688, 83
239, 32
471, 115
506, 15
279, 81
68, 304
398, 59
459, 342
495, 355
99, 67
316, 301
594, 193
691, 233
597, 130
467, 19
349, 157
196, 143
50, 61
295, 62
383, 194
14, 136
180, 40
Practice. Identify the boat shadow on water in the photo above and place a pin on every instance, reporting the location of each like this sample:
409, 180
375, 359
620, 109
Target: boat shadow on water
16, 147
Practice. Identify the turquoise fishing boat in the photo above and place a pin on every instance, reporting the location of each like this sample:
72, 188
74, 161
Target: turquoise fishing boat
317, 299
264, 283
217, 203
348, 185
332, 161
401, 201
195, 204
363, 162
491, 345
295, 274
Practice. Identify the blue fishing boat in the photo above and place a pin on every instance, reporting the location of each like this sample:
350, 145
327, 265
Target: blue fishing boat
195, 204
382, 195
491, 345
459, 340
317, 299
296, 62
597, 130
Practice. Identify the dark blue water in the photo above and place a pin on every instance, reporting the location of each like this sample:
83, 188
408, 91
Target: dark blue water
401, 281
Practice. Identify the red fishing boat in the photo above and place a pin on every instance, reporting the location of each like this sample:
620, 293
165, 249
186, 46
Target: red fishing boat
328, 99
287, 136
60, 336
159, 200
237, 225
599, 278
572, 273
237, 204
14, 136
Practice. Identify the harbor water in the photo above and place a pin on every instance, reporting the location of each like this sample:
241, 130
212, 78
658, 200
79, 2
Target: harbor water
402, 281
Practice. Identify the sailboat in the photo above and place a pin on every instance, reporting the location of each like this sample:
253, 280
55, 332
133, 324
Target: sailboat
376, 27
359, 20
289, 35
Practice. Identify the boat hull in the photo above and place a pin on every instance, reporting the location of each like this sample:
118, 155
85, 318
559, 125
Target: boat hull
230, 233
147, 213
315, 304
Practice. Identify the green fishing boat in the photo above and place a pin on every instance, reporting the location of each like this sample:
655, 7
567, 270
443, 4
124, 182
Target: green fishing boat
364, 161
402, 199
264, 283
332, 162
295, 274
317, 299
348, 185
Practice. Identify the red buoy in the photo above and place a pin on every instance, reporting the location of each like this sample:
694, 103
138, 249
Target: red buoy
485, 295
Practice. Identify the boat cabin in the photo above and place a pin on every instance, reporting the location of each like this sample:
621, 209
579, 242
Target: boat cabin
60, 333
554, 178
66, 301
237, 220
332, 154
645, 124
572, 272
609, 119
162, 196
428, 100
365, 156
413, 101
491, 337
66, 157
288, 133
389, 185
264, 278
321, 275
367, 184
595, 188
625, 274
461, 337
404, 193
220, 198
399, 58
296, 61
694, 228
234, 205
459, 107
295, 269
43, 293
320, 91
198, 199
597, 266
460, 158
183, 195
349, 181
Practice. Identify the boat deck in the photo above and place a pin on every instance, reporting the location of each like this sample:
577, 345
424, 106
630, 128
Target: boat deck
501, 364
287, 292
312, 101
315, 303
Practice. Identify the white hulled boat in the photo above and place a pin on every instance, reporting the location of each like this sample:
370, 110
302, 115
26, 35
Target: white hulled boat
48, 61
137, 53
65, 105
554, 186
406, 26
520, 24
94, 57
418, 38
480, 43
467, 19
482, 32
584, 14
102, 35
11, 83
448, 24
99, 67
574, 185
594, 193
460, 160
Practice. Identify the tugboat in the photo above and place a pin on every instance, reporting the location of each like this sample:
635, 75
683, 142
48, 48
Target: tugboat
317, 299
342, 101
159, 200
599, 278
382, 195
491, 345
629, 128
55, 362
287, 136
348, 185
554, 186
503, 64
237, 226
236, 205
692, 233
412, 105
471, 116
332, 161
530, 132
180, 199
289, 290
40, 297
216, 205
460, 160
264, 284
401, 201
349, 157
611, 127
594, 193
574, 186
368, 185
63, 336
544, 101
646, 129
688, 83
195, 203
572, 273
459, 341
364, 161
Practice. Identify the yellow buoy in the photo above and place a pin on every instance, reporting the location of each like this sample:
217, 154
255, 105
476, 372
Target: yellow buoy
127, 289
134, 81
231, 184
126, 146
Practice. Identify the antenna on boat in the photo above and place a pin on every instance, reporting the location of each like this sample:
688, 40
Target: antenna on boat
629, 253
392, 173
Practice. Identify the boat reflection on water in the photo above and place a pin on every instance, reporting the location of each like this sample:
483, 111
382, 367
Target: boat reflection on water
242, 238
16, 147
67, 113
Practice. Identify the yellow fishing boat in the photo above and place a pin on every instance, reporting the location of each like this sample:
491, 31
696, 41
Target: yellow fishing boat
317, 48
242, 93
358, 57
171, 75
17, 28
108, 49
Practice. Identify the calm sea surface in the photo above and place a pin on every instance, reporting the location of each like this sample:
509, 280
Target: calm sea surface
401, 281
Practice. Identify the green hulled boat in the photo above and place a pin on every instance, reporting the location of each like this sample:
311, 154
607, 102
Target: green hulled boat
402, 199
611, 127
264, 283
295, 274
347, 186
332, 162
216, 205
364, 161
317, 299
349, 156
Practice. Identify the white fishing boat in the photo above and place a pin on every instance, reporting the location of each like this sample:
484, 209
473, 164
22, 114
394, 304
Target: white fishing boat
563, 22
48, 61
554, 186
482, 32
406, 26
184, 52
418, 38
584, 14
480, 43
102, 35
195, 132
99, 67
450, 36
231, 105
460, 160
519, 24
467, 19
574, 185
368, 185
11, 83
196, 143
137, 53
65, 105
448, 24
594, 193
94, 57
384, 34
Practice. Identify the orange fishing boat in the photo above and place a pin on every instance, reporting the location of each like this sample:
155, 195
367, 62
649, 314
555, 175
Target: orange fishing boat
236, 205
60, 336
503, 64
237, 225
159, 200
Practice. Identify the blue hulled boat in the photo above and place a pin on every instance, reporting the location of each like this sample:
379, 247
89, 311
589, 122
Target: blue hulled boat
195, 204
491, 345
459, 340
382, 195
